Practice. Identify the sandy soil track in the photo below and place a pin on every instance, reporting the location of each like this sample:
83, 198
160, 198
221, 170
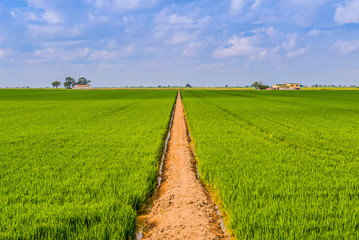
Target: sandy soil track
182, 208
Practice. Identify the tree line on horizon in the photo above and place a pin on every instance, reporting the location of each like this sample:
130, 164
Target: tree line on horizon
71, 82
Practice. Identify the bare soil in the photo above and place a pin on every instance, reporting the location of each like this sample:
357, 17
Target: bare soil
182, 209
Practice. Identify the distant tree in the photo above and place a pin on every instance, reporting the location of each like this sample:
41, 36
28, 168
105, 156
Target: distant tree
67, 85
69, 82
188, 85
56, 84
83, 81
262, 87
259, 85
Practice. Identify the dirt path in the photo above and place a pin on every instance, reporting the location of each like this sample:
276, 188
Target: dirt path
182, 208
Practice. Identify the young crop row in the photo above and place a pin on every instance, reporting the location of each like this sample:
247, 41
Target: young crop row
78, 164
284, 164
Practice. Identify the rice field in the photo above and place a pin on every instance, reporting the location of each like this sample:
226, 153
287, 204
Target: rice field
78, 164
284, 164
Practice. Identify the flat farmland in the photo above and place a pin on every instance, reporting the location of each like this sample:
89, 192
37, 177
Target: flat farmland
284, 164
78, 164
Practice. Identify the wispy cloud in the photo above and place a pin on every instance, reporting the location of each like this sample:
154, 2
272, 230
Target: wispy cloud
107, 55
347, 12
346, 47
186, 31
237, 5
123, 5
315, 33
54, 31
296, 53
5, 53
238, 46
291, 41
51, 54
261, 43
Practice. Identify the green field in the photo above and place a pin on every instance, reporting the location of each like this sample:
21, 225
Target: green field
78, 164
285, 164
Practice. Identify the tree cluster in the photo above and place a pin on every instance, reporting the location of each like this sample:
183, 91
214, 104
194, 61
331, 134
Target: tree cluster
259, 85
71, 82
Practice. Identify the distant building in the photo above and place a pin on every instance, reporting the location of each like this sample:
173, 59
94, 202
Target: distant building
82, 87
286, 86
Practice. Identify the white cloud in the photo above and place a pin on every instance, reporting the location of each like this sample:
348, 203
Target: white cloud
238, 46
76, 54
176, 29
5, 53
237, 5
191, 49
262, 43
29, 16
270, 31
182, 37
39, 3
52, 17
306, 2
47, 54
205, 20
59, 53
39, 11
346, 47
300, 12
107, 55
256, 5
348, 12
262, 54
318, 32
61, 44
165, 17
314, 33
296, 53
53, 31
177, 19
103, 55
291, 41
123, 5
98, 18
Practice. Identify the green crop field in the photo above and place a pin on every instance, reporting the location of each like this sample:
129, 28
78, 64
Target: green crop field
285, 164
78, 164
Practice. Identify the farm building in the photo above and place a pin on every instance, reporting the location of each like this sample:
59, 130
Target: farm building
286, 86
82, 87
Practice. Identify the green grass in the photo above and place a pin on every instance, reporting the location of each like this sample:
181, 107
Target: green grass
78, 164
285, 164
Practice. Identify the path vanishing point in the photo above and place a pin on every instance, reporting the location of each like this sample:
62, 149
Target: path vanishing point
182, 208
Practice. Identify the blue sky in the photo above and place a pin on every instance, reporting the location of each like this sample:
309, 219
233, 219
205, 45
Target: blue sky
157, 42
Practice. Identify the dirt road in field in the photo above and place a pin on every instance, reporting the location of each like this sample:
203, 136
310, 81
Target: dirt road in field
182, 208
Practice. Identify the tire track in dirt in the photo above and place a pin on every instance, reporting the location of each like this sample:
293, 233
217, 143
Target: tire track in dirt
182, 208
